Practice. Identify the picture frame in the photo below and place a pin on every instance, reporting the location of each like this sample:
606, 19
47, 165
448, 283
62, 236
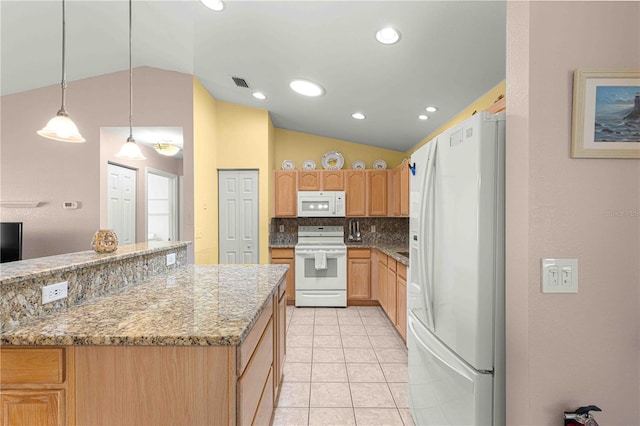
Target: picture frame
606, 113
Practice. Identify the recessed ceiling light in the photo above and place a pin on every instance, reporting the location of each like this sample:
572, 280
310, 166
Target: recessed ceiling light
423, 117
388, 35
259, 95
431, 109
358, 116
216, 5
306, 88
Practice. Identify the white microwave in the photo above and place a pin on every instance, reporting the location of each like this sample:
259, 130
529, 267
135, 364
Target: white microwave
321, 204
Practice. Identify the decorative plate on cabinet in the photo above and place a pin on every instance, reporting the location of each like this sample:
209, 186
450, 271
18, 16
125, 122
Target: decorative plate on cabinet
288, 165
380, 164
358, 165
332, 160
309, 165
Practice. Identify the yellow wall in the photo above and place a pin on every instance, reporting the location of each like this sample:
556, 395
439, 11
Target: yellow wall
296, 146
205, 177
482, 103
243, 143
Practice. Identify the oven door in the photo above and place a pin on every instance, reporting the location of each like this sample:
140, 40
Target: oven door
334, 277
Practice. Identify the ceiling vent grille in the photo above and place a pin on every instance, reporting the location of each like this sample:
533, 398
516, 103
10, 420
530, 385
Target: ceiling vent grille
240, 82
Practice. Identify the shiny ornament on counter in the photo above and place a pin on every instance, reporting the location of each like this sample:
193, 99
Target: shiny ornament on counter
104, 241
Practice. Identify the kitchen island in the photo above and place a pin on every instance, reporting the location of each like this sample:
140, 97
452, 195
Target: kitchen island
192, 345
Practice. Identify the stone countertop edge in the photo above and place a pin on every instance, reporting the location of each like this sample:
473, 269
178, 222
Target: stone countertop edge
389, 250
34, 268
190, 306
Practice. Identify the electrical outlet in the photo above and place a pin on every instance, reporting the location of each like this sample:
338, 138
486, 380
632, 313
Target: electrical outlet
281, 228
171, 259
373, 228
53, 292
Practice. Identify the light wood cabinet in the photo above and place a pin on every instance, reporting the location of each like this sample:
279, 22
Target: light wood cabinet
382, 281
285, 193
392, 309
358, 274
332, 180
377, 190
286, 256
36, 386
356, 193
309, 180
279, 337
399, 190
401, 278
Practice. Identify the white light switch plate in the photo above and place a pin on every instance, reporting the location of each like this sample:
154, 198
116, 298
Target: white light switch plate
559, 275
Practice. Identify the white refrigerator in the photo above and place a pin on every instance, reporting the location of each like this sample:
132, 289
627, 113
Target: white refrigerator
455, 324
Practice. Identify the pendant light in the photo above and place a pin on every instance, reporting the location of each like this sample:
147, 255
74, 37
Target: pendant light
61, 127
130, 150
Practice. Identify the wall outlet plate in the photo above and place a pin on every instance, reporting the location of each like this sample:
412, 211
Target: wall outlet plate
53, 292
171, 259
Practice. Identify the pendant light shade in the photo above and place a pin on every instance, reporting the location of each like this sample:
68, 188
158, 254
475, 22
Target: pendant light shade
61, 127
130, 150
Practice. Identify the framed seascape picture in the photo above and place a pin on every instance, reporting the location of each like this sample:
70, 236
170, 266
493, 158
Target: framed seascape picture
606, 113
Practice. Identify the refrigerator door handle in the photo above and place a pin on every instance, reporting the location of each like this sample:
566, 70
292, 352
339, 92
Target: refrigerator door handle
426, 225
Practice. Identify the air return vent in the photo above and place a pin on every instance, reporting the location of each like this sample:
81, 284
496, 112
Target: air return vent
240, 82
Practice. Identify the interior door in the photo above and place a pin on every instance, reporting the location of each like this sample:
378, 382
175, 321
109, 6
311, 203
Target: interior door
162, 206
121, 205
238, 216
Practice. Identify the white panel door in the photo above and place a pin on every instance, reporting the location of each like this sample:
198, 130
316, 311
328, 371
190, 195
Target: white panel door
121, 204
238, 216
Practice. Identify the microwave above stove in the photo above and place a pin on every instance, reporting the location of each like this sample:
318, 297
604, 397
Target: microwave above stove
321, 204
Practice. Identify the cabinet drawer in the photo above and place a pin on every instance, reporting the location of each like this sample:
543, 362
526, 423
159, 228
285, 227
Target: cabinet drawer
382, 258
252, 383
282, 288
249, 345
402, 271
282, 253
32, 365
359, 253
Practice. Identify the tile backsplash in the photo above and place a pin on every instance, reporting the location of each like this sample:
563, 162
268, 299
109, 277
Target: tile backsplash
389, 230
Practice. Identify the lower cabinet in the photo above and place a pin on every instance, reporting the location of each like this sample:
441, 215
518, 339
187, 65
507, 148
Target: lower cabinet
358, 274
286, 256
401, 324
391, 282
36, 384
279, 338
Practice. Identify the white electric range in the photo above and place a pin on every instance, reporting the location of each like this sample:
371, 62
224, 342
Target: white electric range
321, 266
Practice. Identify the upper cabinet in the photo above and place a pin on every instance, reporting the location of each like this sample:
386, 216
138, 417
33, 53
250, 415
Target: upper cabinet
399, 190
332, 180
285, 193
356, 192
377, 203
309, 180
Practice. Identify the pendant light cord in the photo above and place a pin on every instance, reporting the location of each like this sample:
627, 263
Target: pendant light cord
63, 83
130, 79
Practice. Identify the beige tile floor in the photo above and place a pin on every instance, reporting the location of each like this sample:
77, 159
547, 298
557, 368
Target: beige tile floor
344, 366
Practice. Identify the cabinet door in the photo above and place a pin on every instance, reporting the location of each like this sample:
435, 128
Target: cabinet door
377, 190
356, 193
285, 193
391, 292
359, 275
279, 339
402, 307
395, 195
32, 407
332, 180
309, 180
404, 189
382, 283
291, 273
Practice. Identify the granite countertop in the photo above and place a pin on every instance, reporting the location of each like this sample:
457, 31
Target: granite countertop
191, 305
33, 268
389, 250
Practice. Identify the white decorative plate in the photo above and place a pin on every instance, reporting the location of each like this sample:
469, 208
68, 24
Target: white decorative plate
288, 165
309, 165
380, 164
358, 165
332, 160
